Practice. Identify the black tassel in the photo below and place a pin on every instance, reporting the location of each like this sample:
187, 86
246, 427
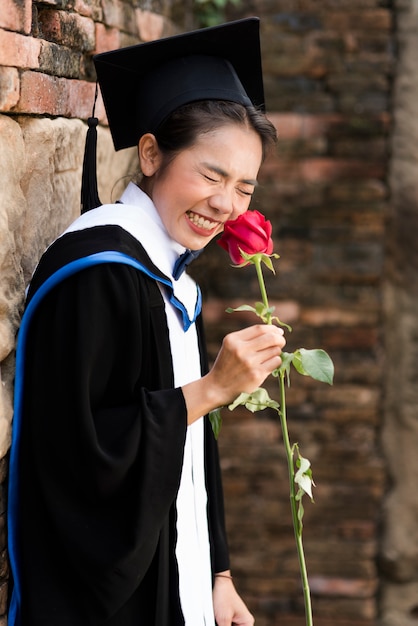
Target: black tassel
89, 192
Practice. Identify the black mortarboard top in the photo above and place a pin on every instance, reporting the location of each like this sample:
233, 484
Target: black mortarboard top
141, 85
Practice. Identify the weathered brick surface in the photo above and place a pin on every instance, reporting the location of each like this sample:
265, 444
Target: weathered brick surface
106, 38
329, 68
16, 50
15, 15
67, 29
149, 24
120, 15
9, 88
89, 8
43, 94
60, 61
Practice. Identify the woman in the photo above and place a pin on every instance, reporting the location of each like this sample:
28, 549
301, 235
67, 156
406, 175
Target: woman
116, 501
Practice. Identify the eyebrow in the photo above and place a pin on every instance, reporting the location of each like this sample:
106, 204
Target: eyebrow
221, 172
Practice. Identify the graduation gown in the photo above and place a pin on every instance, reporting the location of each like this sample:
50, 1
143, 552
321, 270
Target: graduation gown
97, 453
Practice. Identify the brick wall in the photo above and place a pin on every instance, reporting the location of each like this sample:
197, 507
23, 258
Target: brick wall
328, 71
46, 51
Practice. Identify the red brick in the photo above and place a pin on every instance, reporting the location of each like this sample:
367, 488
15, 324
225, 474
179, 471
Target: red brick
329, 169
60, 61
355, 396
16, 16
43, 94
354, 337
9, 88
120, 15
81, 98
342, 415
358, 588
19, 50
329, 316
67, 29
106, 38
89, 8
323, 169
302, 125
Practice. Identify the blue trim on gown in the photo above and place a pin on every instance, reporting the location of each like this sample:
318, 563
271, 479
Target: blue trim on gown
110, 256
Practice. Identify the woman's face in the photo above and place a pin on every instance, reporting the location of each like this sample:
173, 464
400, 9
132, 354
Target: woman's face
207, 184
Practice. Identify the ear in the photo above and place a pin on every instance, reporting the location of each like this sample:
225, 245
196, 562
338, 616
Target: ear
149, 154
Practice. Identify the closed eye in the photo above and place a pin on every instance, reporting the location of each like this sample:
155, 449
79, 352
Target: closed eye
244, 192
210, 179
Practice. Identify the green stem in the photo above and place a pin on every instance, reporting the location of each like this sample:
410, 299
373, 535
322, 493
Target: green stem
257, 263
297, 526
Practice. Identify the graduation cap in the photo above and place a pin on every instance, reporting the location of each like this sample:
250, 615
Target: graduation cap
142, 85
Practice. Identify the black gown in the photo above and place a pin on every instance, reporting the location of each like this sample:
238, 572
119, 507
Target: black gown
101, 447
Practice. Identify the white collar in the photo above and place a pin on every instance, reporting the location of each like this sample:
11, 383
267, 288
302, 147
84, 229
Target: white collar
138, 215
162, 250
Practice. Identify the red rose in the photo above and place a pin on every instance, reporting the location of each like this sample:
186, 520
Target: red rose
250, 232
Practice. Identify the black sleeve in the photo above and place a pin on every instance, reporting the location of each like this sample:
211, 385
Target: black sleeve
103, 433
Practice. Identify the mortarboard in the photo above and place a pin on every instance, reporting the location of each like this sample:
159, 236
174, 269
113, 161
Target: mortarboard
142, 85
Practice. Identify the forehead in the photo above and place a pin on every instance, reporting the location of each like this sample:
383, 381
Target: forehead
235, 144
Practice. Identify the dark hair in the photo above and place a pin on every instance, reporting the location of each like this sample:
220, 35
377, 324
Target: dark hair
181, 129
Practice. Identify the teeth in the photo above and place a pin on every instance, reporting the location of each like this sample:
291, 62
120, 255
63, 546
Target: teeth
201, 221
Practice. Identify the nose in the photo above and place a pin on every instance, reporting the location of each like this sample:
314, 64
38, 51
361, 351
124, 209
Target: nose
222, 202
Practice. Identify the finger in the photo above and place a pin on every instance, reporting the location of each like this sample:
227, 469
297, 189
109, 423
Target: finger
266, 342
257, 330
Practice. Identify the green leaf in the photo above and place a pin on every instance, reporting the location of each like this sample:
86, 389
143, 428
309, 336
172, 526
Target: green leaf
261, 257
314, 363
264, 312
261, 308
241, 399
287, 359
258, 400
215, 419
243, 307
268, 262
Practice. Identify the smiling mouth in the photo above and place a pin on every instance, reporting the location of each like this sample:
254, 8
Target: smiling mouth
201, 222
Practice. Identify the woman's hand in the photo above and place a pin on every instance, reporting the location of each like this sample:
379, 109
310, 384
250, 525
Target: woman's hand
229, 609
244, 361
